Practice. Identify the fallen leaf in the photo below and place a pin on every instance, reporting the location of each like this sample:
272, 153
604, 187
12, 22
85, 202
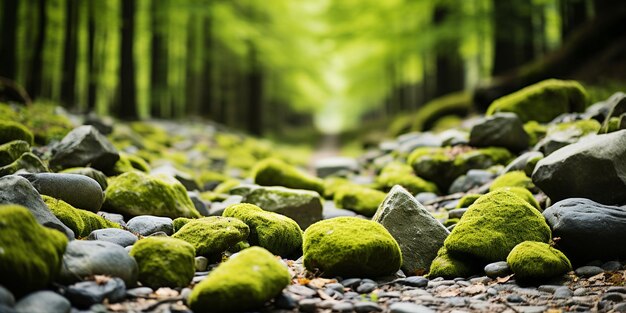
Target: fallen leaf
101, 279
303, 280
320, 282
449, 293
502, 280
117, 307
474, 289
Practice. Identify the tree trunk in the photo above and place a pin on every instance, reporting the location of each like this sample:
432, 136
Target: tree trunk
255, 94
91, 57
34, 84
513, 34
158, 79
449, 66
8, 39
206, 95
573, 14
69, 55
128, 92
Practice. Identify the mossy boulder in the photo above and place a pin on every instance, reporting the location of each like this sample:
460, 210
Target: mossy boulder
130, 162
213, 235
467, 200
11, 151
164, 262
274, 172
447, 266
493, 225
563, 134
396, 173
136, 193
525, 194
10, 131
82, 222
543, 101
535, 131
31, 254
28, 162
332, 184
46, 122
359, 199
512, 179
243, 283
277, 233
303, 206
350, 247
533, 261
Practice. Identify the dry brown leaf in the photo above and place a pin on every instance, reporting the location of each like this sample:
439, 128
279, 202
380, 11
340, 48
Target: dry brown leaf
165, 292
554, 311
320, 282
616, 279
449, 293
101, 279
117, 307
303, 280
502, 280
475, 289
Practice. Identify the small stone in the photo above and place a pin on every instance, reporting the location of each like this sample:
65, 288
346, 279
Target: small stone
6, 297
579, 292
147, 225
613, 296
351, 282
139, 292
84, 294
413, 281
408, 307
366, 288
84, 146
620, 307
588, 271
563, 293
531, 309
301, 291
201, 263
497, 269
285, 301
309, 305
548, 288
335, 286
367, 307
618, 289
43, 302
492, 291
612, 266
343, 307
80, 191
514, 298
117, 236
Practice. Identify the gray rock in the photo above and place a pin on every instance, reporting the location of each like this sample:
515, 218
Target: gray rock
592, 168
86, 258
43, 302
367, 307
579, 292
620, 307
514, 298
588, 271
201, 206
309, 305
473, 179
201, 263
117, 236
366, 287
331, 211
500, 130
336, 287
408, 307
147, 225
184, 178
6, 297
531, 309
457, 213
84, 294
217, 208
285, 301
303, 206
413, 281
521, 162
613, 296
139, 292
343, 307
497, 269
351, 282
417, 232
612, 266
424, 197
84, 146
91, 173
113, 217
588, 230
331, 165
80, 191
410, 141
563, 293
301, 291
17, 190
618, 289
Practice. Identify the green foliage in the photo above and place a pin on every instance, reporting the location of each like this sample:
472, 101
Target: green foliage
81, 222
533, 261
164, 262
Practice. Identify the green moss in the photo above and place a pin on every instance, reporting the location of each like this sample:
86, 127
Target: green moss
27, 161
46, 123
359, 199
213, 235
31, 254
80, 221
350, 247
206, 177
243, 283
151, 132
447, 266
332, 184
7, 113
11, 151
136, 193
10, 131
467, 200
242, 245
535, 131
493, 225
512, 179
396, 173
178, 223
451, 221
226, 186
164, 262
531, 164
543, 101
524, 194
274, 172
130, 162
537, 261
275, 232
581, 127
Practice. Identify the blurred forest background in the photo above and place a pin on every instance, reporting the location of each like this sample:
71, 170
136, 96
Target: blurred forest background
272, 67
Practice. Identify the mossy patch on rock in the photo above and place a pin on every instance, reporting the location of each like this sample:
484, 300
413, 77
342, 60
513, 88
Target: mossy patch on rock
28, 162
10, 131
493, 225
135, 193
525, 194
447, 266
533, 261
11, 151
243, 283
535, 131
543, 101
82, 222
130, 162
31, 254
164, 262
350, 247
512, 179
396, 173
213, 235
332, 184
274, 172
275, 232
303, 206
359, 199
467, 200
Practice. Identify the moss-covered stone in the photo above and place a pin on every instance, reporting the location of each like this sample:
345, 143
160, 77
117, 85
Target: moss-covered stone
225, 186
89, 172
543, 101
31, 254
10, 131
11, 151
303, 206
359, 199
467, 200
580, 127
27, 161
46, 122
531, 164
136, 193
213, 235
447, 266
275, 232
524, 194
535, 131
164, 262
454, 104
130, 162
82, 222
533, 261
493, 225
451, 221
332, 184
243, 283
350, 247
512, 179
274, 172
396, 173
178, 223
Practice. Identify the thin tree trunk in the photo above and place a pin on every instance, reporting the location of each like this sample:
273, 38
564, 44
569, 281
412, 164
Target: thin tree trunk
206, 96
92, 71
34, 85
449, 66
158, 80
513, 34
255, 95
69, 57
8, 39
128, 90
